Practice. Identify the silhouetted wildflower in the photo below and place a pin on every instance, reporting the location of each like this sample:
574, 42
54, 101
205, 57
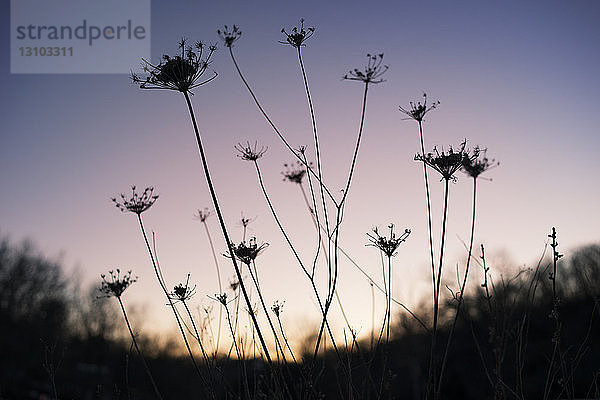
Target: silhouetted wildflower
202, 214
182, 72
447, 163
277, 307
234, 284
229, 36
116, 284
221, 298
476, 166
297, 35
387, 245
418, 110
372, 72
294, 173
137, 203
183, 292
247, 253
250, 153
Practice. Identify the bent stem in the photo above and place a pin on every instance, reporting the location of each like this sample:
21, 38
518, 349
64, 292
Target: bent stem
462, 290
138, 349
223, 228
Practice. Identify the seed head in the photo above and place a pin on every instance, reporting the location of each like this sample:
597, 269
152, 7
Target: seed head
478, 165
297, 35
202, 214
372, 72
182, 72
116, 284
294, 173
387, 246
250, 153
229, 36
277, 307
417, 110
247, 253
183, 292
137, 203
447, 162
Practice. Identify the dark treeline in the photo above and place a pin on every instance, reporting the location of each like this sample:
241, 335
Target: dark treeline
512, 340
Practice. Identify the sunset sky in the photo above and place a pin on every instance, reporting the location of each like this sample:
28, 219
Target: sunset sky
520, 78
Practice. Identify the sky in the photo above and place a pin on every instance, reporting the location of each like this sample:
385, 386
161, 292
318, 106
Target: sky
519, 78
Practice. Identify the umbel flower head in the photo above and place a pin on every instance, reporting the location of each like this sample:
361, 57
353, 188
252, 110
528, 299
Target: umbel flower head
294, 173
417, 110
476, 166
277, 307
372, 71
116, 284
388, 246
182, 72
250, 153
297, 35
229, 36
448, 162
183, 292
137, 203
202, 214
247, 253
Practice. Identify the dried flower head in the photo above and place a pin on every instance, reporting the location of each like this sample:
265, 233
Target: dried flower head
182, 72
447, 162
202, 214
137, 203
234, 284
247, 253
387, 245
295, 173
297, 35
418, 110
277, 307
476, 166
372, 72
229, 36
250, 153
183, 292
221, 298
116, 284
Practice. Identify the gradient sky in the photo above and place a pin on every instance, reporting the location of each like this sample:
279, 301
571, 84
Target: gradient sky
519, 78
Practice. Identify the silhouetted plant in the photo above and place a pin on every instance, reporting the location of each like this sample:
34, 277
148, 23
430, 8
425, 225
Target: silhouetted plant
114, 286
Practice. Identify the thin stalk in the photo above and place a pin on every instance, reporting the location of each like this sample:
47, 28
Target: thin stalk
208, 362
222, 223
462, 289
429, 228
138, 350
432, 378
316, 138
214, 254
166, 292
272, 124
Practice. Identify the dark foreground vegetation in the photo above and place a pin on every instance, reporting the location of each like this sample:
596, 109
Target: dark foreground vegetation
511, 341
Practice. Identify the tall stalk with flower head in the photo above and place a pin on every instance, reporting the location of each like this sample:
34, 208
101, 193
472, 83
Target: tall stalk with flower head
473, 167
137, 204
446, 163
183, 73
114, 286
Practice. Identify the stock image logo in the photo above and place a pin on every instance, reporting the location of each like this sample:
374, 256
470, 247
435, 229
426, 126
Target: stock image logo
70, 36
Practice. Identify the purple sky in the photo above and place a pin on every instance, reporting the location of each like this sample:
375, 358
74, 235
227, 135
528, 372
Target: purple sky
518, 78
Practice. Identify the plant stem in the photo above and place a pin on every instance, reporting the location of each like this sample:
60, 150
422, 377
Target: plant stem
222, 223
462, 289
138, 350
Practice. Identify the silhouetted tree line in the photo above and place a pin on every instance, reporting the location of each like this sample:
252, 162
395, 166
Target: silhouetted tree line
514, 339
